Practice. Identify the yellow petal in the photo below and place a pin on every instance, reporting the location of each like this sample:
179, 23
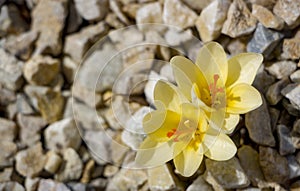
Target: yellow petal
231, 121
242, 98
186, 73
188, 161
157, 124
168, 95
242, 68
152, 154
219, 147
212, 60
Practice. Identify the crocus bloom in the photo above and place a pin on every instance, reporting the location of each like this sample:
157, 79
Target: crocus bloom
179, 130
219, 83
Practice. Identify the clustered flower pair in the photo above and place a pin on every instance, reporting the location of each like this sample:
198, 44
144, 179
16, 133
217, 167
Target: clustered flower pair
192, 119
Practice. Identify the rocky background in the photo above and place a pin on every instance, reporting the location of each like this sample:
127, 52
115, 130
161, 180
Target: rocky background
41, 45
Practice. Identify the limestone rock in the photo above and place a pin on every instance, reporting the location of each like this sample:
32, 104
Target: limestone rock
50, 185
10, 71
5, 175
250, 162
295, 76
62, 134
93, 10
74, 20
53, 162
289, 11
258, 124
291, 48
239, 20
161, 178
274, 166
30, 128
72, 168
264, 40
266, 17
273, 94
31, 184
229, 174
69, 68
22, 45
8, 130
6, 96
197, 5
48, 102
175, 37
178, 14
292, 92
199, 184
48, 18
41, 70
115, 6
23, 106
282, 69
149, 13
210, 22
11, 186
149, 89
8, 150
89, 97
26, 161
77, 44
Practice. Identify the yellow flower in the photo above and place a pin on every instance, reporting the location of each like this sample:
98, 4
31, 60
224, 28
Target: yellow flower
179, 130
215, 83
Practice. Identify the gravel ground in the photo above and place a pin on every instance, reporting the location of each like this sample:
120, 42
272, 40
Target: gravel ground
60, 110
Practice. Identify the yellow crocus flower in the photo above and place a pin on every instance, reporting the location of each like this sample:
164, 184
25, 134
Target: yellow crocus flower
217, 82
179, 130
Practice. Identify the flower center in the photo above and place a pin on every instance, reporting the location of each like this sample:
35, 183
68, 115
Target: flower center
215, 90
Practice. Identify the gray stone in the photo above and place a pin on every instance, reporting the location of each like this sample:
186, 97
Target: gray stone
274, 166
11, 186
88, 96
178, 14
294, 166
8, 130
93, 10
273, 94
210, 22
258, 124
78, 186
6, 174
295, 77
26, 161
250, 163
289, 11
11, 21
50, 185
8, 150
161, 178
50, 35
263, 80
239, 20
77, 44
199, 184
22, 45
133, 134
291, 108
30, 128
296, 126
282, 69
72, 167
10, 71
266, 17
6, 96
100, 76
53, 162
99, 183
285, 140
127, 179
48, 102
229, 174
274, 114
61, 135
291, 48
41, 70
74, 20
264, 40
31, 184
149, 13
292, 92
23, 106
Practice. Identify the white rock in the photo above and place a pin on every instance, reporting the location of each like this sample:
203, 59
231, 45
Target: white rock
62, 134
149, 13
175, 37
210, 22
92, 10
178, 14
53, 162
149, 89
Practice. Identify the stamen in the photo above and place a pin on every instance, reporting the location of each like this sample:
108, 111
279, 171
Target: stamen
214, 90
